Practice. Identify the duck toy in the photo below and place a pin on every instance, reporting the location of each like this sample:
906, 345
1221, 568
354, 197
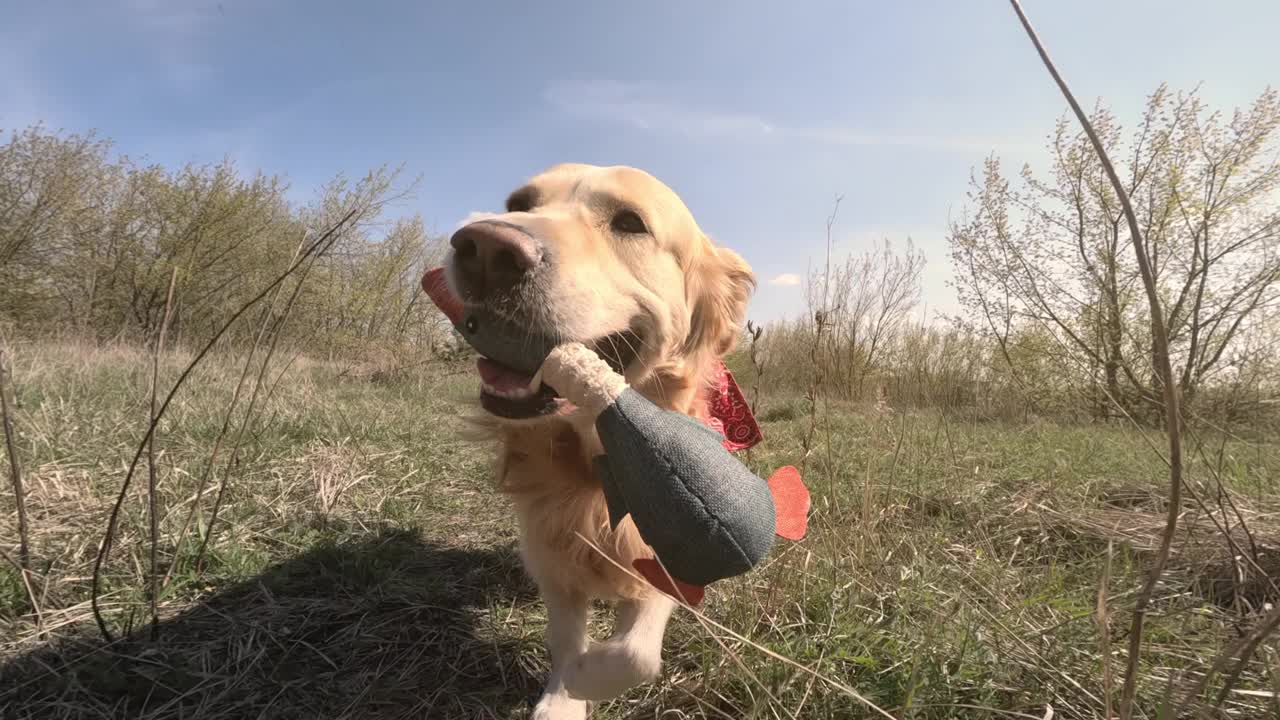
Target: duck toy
704, 513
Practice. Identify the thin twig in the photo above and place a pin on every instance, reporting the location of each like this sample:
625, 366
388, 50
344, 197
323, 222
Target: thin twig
1242, 650
1163, 367
15, 468
203, 482
247, 420
821, 318
153, 515
1104, 634
321, 245
757, 362
31, 593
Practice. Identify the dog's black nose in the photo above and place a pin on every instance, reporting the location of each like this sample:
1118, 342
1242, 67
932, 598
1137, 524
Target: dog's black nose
492, 258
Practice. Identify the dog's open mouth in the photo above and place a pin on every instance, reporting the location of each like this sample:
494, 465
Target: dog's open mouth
511, 394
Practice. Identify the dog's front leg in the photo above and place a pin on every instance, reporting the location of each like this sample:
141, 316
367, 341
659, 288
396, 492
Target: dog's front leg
566, 641
633, 654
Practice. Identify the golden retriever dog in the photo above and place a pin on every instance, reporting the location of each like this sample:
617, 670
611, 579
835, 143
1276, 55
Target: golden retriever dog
594, 255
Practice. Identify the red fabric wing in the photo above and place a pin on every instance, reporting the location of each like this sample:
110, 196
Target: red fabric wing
791, 501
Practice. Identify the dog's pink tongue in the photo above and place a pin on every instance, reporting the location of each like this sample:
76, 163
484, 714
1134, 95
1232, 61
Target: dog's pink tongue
501, 377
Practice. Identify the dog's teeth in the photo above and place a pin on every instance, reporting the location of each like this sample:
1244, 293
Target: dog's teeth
509, 393
535, 384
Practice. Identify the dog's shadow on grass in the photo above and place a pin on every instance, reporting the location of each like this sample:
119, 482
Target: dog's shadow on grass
389, 626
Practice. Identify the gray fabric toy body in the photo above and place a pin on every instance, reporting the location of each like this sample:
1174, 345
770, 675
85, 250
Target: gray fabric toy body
706, 516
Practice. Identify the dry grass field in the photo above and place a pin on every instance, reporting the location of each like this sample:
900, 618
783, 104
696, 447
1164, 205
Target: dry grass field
361, 567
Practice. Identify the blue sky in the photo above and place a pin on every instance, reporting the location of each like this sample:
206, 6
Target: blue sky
757, 113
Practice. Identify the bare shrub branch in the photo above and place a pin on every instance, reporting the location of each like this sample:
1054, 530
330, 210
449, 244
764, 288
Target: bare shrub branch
1163, 368
320, 246
15, 467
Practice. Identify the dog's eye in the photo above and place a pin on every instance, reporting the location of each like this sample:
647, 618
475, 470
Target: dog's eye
629, 223
521, 201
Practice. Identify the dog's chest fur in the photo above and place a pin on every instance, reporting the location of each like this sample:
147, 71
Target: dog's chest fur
559, 503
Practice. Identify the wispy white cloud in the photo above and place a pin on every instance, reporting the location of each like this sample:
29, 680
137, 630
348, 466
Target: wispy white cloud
846, 136
644, 109
786, 280
631, 105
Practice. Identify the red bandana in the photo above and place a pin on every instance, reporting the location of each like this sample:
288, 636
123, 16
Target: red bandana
730, 415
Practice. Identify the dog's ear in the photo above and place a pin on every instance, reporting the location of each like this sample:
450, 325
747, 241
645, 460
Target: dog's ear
719, 286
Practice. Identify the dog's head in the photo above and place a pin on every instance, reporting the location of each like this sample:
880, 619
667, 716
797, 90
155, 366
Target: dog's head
606, 256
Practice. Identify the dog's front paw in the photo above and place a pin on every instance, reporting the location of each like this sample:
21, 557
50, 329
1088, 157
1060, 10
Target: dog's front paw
611, 668
559, 706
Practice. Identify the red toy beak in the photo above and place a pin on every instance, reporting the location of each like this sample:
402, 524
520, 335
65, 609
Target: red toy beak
437, 288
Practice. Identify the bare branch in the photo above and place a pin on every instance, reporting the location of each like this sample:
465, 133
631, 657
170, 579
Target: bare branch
1163, 368
153, 514
15, 466
318, 247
